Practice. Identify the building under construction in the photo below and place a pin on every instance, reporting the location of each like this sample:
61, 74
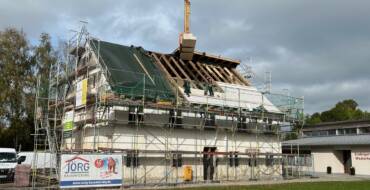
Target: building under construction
164, 114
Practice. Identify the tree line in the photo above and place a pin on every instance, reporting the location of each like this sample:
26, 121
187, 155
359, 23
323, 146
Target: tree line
20, 64
342, 111
345, 110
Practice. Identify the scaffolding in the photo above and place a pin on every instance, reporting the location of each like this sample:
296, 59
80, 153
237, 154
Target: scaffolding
147, 125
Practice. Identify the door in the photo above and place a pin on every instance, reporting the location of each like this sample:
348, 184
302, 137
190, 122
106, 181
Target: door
347, 161
209, 163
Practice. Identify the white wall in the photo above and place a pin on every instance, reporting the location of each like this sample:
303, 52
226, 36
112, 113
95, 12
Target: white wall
155, 138
361, 160
325, 157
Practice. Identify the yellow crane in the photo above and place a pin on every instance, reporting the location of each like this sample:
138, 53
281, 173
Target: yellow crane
186, 16
187, 39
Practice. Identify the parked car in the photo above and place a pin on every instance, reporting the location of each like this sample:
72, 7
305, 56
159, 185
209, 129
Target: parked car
8, 162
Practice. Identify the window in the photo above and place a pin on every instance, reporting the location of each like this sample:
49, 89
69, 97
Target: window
340, 131
175, 118
269, 161
132, 114
92, 81
242, 122
323, 133
307, 133
136, 114
210, 119
315, 133
252, 162
365, 130
332, 132
132, 159
7, 157
350, 131
233, 160
140, 114
176, 160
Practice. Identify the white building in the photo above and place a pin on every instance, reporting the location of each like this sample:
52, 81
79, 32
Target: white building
163, 113
338, 145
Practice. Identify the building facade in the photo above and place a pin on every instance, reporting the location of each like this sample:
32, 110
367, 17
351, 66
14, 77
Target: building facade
164, 114
338, 145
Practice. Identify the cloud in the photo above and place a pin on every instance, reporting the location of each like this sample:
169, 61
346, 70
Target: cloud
317, 49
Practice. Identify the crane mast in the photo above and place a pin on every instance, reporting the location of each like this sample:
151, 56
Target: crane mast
187, 39
187, 16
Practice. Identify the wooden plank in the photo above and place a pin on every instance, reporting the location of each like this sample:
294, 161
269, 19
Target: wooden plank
190, 73
212, 73
169, 77
143, 67
170, 66
182, 71
223, 72
241, 78
204, 71
198, 72
231, 75
161, 66
228, 60
219, 74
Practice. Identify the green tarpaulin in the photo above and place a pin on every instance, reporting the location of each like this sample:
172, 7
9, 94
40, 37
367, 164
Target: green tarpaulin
131, 71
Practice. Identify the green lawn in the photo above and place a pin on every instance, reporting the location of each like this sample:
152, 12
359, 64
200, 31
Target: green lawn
348, 185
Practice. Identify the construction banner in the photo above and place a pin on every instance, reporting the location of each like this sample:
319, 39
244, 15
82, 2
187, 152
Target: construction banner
90, 170
68, 121
68, 124
81, 93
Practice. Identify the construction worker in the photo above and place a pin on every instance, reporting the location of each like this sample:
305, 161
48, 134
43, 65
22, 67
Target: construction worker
210, 86
186, 86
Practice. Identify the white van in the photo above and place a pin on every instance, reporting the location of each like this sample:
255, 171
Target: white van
8, 162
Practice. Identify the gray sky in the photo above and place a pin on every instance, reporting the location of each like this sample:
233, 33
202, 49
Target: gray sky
316, 49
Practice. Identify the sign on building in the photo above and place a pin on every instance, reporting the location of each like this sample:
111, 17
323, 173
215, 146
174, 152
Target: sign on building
81, 93
68, 124
362, 156
90, 170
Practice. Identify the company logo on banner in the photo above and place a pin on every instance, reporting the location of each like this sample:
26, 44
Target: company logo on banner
90, 171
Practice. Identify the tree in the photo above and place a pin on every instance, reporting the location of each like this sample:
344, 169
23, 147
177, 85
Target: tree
313, 119
16, 82
45, 57
344, 110
20, 63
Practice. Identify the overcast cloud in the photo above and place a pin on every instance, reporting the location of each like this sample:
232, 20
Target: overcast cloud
316, 49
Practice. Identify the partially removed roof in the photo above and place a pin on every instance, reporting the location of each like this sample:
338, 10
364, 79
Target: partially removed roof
130, 69
135, 72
